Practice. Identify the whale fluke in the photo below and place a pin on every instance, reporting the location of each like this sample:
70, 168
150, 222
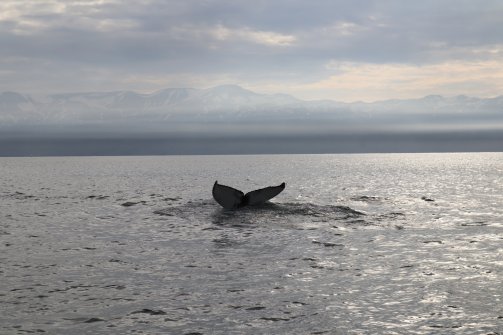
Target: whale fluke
230, 198
227, 196
262, 195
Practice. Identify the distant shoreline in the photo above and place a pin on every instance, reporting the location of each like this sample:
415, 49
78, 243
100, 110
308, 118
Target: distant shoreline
145, 144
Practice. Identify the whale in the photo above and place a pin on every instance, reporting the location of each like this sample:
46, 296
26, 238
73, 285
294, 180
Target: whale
231, 198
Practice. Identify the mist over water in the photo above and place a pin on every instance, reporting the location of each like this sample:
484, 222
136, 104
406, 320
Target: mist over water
229, 119
382, 243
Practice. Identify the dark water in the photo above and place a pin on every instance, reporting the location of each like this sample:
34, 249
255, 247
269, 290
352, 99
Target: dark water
356, 244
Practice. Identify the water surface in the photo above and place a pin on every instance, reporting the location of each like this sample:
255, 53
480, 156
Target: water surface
381, 244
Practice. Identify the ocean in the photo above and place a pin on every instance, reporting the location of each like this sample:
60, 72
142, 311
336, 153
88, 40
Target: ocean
355, 244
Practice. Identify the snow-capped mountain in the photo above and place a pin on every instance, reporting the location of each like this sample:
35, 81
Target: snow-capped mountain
16, 107
232, 104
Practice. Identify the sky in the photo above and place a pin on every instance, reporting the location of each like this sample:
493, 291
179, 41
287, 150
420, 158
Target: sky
347, 51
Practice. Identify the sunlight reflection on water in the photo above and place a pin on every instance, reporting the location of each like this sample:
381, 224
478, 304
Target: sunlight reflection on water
355, 244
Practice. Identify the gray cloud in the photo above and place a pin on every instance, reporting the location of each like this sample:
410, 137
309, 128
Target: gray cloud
70, 46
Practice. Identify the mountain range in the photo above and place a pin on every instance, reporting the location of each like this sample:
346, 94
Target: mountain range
234, 108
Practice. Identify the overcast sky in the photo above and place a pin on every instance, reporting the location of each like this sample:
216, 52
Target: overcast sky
340, 50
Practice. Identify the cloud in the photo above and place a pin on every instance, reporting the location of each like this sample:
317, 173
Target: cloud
221, 33
256, 36
372, 82
286, 44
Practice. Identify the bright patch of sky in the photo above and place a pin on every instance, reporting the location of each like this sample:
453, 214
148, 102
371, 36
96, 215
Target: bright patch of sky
340, 50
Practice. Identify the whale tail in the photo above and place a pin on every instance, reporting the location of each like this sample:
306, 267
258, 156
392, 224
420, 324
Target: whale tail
227, 196
230, 198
